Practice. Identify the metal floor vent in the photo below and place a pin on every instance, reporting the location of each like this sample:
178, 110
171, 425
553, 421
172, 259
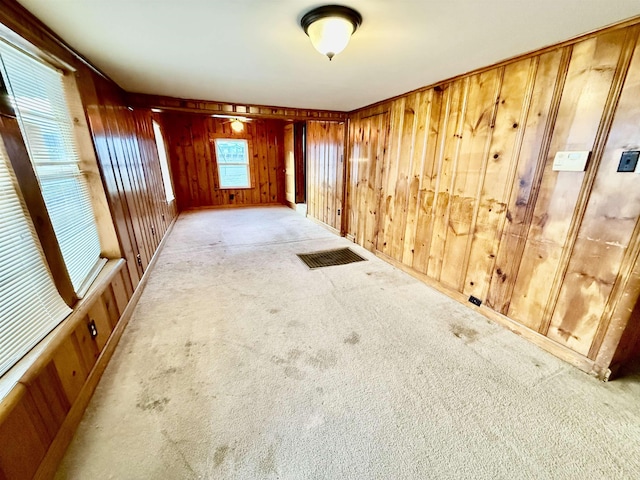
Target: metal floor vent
329, 258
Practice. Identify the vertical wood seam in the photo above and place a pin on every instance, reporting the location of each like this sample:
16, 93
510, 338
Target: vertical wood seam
602, 134
483, 172
412, 149
423, 158
513, 164
545, 145
440, 154
631, 257
456, 156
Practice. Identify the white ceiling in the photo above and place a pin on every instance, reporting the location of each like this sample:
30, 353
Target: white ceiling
254, 51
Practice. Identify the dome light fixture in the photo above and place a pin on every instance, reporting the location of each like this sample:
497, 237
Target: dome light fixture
237, 126
330, 27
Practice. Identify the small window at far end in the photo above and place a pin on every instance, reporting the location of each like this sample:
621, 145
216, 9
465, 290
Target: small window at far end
164, 163
232, 157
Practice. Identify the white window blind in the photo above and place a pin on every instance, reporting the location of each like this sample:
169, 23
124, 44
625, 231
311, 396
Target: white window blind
164, 164
30, 306
38, 96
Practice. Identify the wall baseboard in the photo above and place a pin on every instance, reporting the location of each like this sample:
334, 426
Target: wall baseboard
322, 224
580, 361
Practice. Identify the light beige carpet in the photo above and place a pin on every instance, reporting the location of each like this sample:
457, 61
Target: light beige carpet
241, 363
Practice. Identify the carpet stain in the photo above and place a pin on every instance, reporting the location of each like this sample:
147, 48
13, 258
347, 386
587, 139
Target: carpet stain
323, 359
294, 354
294, 372
353, 338
273, 311
465, 333
219, 455
154, 404
268, 464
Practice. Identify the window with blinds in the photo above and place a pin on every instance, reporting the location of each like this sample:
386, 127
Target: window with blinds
164, 163
38, 96
30, 306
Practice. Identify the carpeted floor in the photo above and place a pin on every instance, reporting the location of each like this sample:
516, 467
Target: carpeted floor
241, 363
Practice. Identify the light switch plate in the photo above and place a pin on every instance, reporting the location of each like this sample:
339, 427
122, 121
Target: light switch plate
571, 161
628, 161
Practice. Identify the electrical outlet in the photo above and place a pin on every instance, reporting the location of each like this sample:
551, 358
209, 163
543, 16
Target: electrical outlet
475, 301
628, 161
93, 330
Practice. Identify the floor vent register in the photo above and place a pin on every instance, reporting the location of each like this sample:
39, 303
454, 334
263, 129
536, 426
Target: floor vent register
329, 258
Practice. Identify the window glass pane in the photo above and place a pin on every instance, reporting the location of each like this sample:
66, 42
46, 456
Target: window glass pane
164, 164
234, 176
30, 306
37, 92
232, 157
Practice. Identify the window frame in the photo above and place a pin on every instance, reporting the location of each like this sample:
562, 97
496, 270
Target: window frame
36, 212
247, 164
163, 158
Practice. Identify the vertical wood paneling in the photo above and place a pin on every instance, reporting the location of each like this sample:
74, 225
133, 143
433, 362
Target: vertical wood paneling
549, 82
416, 177
468, 196
589, 79
36, 419
325, 172
366, 160
194, 168
457, 95
507, 134
476, 123
611, 212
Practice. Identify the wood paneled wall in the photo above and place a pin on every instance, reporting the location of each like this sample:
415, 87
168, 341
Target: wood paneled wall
40, 414
454, 183
130, 167
193, 160
325, 172
38, 418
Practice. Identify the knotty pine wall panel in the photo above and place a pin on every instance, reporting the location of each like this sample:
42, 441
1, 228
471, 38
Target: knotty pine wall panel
325, 172
193, 160
455, 184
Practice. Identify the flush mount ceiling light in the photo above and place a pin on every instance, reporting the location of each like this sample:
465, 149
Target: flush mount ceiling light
330, 27
237, 126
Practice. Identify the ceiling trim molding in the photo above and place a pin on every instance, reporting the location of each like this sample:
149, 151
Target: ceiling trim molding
208, 107
572, 41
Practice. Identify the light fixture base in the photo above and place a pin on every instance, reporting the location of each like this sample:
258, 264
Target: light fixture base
331, 11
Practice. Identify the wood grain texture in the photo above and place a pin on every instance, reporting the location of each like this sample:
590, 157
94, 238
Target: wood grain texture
366, 158
193, 161
172, 104
467, 196
325, 172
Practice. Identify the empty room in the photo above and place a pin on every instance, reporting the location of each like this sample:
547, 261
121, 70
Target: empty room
251, 239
